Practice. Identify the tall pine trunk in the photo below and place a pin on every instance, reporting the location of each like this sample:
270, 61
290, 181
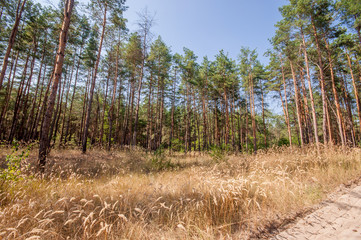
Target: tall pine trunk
285, 108
111, 109
88, 115
326, 135
297, 101
44, 139
314, 117
19, 11
72, 99
356, 93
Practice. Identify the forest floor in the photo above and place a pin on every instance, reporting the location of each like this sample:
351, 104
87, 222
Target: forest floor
136, 195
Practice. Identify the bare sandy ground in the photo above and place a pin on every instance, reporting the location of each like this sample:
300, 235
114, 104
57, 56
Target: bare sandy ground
337, 218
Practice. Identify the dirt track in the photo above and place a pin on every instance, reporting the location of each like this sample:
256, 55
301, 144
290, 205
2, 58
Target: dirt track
337, 218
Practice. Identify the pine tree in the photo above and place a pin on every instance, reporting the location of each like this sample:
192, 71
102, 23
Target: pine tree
44, 140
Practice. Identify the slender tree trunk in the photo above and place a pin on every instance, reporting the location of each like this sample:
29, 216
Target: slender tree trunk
149, 117
172, 110
19, 11
161, 114
57, 113
285, 108
314, 117
204, 110
85, 104
232, 122
196, 135
72, 99
141, 75
216, 132
31, 119
95, 136
119, 116
308, 131
131, 115
347, 102
188, 120
263, 119
22, 129
335, 94
87, 119
111, 110
253, 112
126, 117
326, 137
226, 140
287, 120
44, 140
18, 101
103, 113
157, 113
240, 142
297, 129
297, 99
356, 93
43, 108
8, 91
35, 123
328, 118
247, 123
62, 139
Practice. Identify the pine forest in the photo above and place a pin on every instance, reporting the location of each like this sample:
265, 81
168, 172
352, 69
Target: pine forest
84, 101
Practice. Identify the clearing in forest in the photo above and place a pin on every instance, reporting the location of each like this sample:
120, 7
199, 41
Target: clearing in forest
137, 195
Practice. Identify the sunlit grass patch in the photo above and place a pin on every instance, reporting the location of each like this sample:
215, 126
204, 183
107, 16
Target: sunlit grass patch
107, 198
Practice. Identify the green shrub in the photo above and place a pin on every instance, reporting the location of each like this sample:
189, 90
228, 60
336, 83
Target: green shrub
219, 154
14, 167
159, 161
283, 142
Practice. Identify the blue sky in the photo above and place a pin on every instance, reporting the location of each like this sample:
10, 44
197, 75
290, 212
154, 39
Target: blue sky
207, 26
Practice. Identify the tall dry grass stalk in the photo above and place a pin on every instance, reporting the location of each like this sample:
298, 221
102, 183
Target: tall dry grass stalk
113, 196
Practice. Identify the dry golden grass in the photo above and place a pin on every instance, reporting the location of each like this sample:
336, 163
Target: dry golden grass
117, 195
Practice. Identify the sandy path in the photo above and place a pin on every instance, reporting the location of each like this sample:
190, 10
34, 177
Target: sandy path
339, 218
